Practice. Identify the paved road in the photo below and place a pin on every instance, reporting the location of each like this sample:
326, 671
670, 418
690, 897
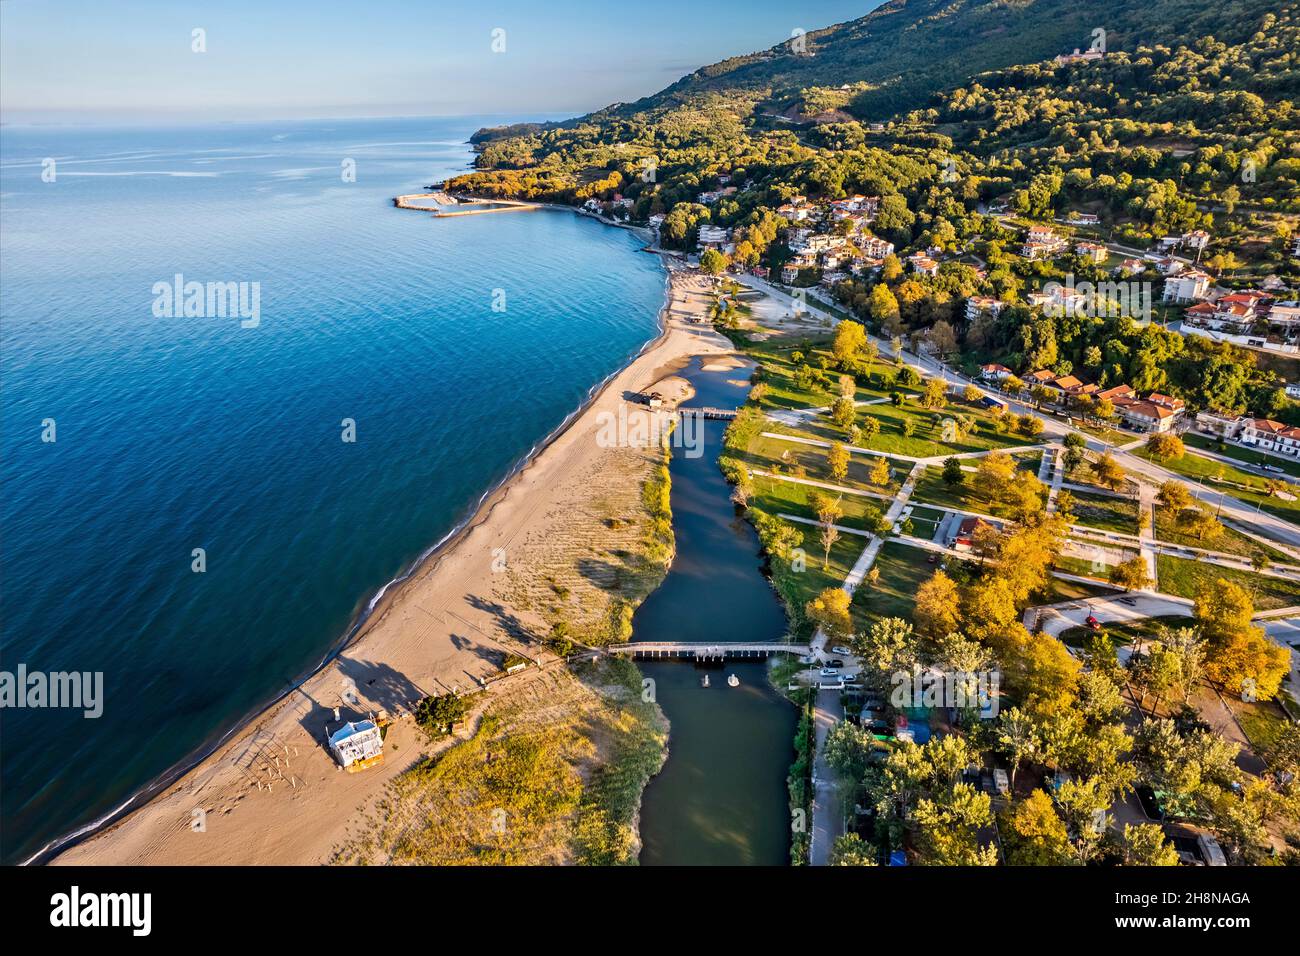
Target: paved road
828, 818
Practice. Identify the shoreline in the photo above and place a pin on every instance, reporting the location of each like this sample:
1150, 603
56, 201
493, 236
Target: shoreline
672, 345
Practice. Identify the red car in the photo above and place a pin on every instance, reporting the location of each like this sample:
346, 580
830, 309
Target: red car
1093, 622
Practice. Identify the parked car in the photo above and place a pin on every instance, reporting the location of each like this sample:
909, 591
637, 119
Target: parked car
830, 672
836, 664
840, 650
1000, 782
1094, 623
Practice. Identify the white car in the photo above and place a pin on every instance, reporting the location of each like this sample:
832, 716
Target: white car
840, 649
830, 672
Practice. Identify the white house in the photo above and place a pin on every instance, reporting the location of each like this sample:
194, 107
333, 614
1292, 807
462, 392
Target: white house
712, 237
357, 745
1188, 287
978, 305
1272, 435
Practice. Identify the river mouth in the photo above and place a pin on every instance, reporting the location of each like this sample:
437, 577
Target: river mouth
721, 797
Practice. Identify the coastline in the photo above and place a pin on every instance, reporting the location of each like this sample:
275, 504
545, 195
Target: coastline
398, 637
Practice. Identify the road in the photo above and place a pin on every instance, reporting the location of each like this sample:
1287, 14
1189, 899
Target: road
828, 817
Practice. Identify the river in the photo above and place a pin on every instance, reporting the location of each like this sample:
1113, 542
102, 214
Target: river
721, 798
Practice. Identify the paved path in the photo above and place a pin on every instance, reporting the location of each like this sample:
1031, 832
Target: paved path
827, 816
1146, 530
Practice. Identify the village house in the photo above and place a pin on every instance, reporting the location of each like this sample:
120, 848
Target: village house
1083, 219
1188, 287
1094, 252
1041, 242
873, 247
1147, 415
1233, 314
789, 272
1132, 267
1273, 436
708, 198
1116, 393
1285, 317
1220, 425
963, 539
1077, 57
1170, 266
978, 305
796, 210
712, 237
923, 264
993, 372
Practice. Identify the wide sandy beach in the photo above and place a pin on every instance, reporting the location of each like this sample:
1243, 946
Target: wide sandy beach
271, 794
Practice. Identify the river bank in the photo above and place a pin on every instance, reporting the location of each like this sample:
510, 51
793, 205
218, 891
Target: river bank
447, 626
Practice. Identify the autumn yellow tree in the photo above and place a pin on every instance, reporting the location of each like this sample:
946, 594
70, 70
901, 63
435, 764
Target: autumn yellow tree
937, 606
829, 610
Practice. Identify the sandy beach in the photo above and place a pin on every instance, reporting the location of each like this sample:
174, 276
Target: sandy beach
271, 794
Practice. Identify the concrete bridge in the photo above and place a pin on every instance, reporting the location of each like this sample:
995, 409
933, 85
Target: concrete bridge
683, 650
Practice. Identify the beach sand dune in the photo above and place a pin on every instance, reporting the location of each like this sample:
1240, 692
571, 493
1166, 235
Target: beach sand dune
271, 794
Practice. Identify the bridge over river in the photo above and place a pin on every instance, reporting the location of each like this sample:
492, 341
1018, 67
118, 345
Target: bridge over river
705, 652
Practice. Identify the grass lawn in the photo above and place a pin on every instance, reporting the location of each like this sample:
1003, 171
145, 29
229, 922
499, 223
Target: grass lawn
1059, 590
786, 497
1082, 474
1184, 578
1229, 541
1248, 455
927, 439
1106, 513
903, 569
1262, 721
1124, 632
1231, 481
776, 359
806, 461
797, 588
932, 489
1111, 436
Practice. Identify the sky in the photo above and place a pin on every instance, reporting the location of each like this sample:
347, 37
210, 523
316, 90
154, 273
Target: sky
133, 60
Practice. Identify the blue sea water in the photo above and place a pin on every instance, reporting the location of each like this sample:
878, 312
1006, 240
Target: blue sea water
180, 433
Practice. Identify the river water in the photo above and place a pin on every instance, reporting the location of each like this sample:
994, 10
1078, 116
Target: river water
721, 798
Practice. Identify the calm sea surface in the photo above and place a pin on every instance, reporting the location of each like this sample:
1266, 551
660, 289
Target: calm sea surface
177, 433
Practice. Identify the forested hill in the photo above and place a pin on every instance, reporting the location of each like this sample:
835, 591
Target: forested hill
905, 50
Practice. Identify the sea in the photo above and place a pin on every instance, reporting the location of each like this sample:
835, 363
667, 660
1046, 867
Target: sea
201, 493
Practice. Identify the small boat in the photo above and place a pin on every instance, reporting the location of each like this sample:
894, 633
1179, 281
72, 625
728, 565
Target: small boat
733, 680
705, 682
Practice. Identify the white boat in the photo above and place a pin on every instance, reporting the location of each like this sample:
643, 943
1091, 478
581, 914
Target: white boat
705, 682
733, 680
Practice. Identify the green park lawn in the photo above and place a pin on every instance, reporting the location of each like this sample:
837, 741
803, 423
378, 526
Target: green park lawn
903, 569
1185, 578
933, 490
1106, 513
1229, 540
1241, 485
1250, 456
808, 461
787, 497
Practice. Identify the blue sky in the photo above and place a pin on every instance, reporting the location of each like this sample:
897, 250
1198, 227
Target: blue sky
110, 60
